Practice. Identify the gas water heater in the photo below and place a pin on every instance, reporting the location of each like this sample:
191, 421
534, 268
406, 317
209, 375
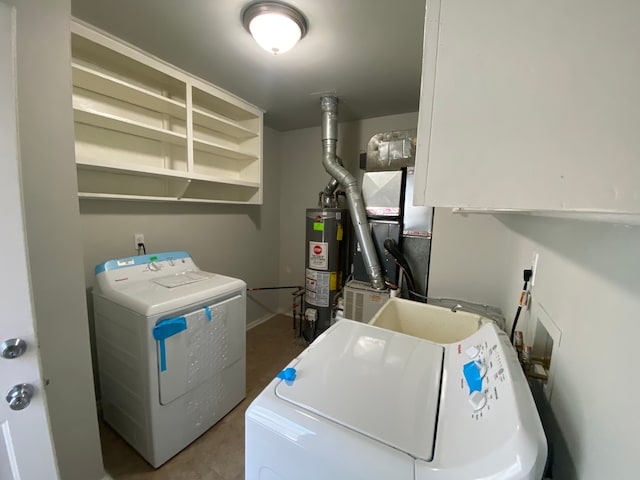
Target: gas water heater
325, 265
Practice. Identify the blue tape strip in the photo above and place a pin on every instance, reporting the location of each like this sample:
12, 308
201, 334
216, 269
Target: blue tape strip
163, 357
165, 329
472, 375
288, 375
207, 310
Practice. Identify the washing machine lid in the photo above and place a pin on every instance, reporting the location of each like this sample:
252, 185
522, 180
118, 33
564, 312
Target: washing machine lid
381, 384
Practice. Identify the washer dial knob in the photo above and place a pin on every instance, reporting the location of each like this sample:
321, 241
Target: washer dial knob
472, 352
478, 400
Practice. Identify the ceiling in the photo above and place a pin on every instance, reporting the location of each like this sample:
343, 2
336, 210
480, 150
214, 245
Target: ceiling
366, 52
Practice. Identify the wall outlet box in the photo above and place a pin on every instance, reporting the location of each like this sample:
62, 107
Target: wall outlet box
138, 238
545, 342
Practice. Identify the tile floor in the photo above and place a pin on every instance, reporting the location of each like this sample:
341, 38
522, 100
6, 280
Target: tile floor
219, 453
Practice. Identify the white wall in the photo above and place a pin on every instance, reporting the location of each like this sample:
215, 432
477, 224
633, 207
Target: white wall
462, 266
303, 177
235, 240
53, 232
588, 281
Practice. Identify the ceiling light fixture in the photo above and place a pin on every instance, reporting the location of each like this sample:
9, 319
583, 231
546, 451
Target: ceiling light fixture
276, 27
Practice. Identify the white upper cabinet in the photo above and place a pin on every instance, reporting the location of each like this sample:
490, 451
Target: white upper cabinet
530, 105
145, 130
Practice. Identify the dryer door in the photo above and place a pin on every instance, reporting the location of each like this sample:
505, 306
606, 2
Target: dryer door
196, 346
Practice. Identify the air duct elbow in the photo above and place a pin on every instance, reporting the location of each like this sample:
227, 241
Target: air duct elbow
329, 106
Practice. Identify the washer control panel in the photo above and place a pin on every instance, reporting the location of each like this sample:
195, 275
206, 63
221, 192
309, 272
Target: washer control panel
483, 373
480, 367
487, 419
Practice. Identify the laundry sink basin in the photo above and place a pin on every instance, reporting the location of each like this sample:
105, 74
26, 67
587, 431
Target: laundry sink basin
437, 324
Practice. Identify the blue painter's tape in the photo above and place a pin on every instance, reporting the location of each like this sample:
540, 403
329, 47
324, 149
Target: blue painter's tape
165, 329
472, 375
288, 375
139, 260
207, 310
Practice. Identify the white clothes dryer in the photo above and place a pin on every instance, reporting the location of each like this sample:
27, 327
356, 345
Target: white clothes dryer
171, 348
369, 403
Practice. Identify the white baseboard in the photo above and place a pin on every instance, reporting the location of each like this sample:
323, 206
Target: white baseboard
266, 317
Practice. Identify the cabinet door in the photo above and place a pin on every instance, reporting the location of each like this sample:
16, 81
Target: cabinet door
530, 105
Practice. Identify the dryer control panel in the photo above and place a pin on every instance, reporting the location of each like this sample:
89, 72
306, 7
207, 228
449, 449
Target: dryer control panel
167, 269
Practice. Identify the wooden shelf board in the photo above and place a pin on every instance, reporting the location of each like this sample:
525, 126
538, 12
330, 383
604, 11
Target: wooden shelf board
123, 125
140, 170
110, 196
209, 147
147, 171
223, 180
95, 81
119, 196
206, 200
214, 100
220, 124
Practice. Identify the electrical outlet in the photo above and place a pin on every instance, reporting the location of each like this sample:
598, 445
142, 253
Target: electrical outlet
138, 238
534, 267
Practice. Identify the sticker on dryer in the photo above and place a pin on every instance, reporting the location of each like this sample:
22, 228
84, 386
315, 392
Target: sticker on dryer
319, 255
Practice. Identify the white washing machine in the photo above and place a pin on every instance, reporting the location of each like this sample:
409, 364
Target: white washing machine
369, 403
171, 349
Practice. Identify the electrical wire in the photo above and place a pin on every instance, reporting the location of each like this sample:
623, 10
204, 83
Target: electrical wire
295, 294
523, 301
411, 286
391, 246
142, 247
416, 294
273, 288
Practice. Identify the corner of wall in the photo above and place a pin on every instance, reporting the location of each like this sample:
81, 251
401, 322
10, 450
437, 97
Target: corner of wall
52, 226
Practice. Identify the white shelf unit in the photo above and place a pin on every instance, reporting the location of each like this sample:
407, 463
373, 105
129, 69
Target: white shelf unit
145, 130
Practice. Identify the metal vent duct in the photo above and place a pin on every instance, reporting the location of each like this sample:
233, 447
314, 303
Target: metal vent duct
348, 182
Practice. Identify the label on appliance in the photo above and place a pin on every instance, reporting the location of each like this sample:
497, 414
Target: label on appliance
319, 255
124, 263
317, 287
333, 281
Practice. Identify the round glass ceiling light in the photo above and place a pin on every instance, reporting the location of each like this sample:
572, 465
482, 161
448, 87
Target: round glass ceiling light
276, 27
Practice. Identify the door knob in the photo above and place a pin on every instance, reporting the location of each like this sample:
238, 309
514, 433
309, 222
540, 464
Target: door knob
19, 397
13, 348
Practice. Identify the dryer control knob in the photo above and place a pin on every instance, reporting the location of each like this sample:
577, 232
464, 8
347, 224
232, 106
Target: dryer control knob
477, 400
